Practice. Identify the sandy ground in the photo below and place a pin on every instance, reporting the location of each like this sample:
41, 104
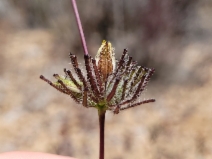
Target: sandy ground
36, 117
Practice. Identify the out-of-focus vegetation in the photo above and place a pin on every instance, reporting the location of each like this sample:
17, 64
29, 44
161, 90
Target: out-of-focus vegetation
173, 36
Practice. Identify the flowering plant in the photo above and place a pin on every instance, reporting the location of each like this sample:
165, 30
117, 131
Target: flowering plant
107, 84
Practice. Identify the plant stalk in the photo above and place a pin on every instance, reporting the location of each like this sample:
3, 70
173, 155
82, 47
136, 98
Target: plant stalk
79, 26
101, 133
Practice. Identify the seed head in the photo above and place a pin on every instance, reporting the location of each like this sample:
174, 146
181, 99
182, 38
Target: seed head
105, 86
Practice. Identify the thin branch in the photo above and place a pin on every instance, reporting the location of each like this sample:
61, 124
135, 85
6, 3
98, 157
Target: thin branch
85, 96
98, 77
52, 84
74, 60
113, 91
81, 77
68, 72
124, 89
90, 76
137, 104
69, 92
79, 26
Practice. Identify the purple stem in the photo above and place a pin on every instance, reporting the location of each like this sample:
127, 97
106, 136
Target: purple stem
101, 133
80, 26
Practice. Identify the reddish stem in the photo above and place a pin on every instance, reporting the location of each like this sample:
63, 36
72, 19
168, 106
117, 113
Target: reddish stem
79, 26
101, 133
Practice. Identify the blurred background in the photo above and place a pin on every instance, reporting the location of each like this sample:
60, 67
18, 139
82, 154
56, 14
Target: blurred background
172, 36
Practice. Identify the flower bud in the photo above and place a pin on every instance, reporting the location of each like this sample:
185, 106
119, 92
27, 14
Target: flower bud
105, 59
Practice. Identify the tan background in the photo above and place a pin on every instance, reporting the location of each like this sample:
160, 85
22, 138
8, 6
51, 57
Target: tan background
174, 37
